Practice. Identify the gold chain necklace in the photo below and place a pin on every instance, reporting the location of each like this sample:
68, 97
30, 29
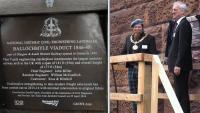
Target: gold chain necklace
135, 46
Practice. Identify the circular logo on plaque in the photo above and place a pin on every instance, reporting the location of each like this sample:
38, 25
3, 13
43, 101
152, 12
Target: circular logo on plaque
51, 28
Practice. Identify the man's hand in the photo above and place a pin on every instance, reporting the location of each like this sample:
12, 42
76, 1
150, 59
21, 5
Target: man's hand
177, 71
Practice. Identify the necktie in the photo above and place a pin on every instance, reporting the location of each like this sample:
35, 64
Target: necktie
174, 28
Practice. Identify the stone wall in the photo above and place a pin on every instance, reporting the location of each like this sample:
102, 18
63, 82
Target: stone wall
155, 13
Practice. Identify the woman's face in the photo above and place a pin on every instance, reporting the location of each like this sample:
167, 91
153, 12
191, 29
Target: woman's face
137, 29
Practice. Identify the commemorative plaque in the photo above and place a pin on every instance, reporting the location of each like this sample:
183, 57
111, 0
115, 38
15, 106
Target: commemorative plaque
53, 61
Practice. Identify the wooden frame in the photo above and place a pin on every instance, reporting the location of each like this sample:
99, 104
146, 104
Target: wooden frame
147, 83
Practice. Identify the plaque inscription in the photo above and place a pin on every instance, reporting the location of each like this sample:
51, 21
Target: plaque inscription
53, 62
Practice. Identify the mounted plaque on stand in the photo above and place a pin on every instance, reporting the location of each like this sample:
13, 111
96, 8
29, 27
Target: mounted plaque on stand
54, 61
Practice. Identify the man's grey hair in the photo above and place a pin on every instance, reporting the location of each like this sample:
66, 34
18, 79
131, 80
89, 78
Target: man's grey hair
181, 5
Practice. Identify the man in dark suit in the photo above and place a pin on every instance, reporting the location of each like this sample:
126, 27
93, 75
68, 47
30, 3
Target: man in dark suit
180, 55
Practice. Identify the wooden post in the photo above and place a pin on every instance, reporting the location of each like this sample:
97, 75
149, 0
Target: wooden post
144, 87
147, 88
141, 73
154, 98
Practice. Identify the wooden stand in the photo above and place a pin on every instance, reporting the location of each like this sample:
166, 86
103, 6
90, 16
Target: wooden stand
147, 97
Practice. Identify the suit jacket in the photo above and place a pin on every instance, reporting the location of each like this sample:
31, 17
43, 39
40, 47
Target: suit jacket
148, 45
180, 50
